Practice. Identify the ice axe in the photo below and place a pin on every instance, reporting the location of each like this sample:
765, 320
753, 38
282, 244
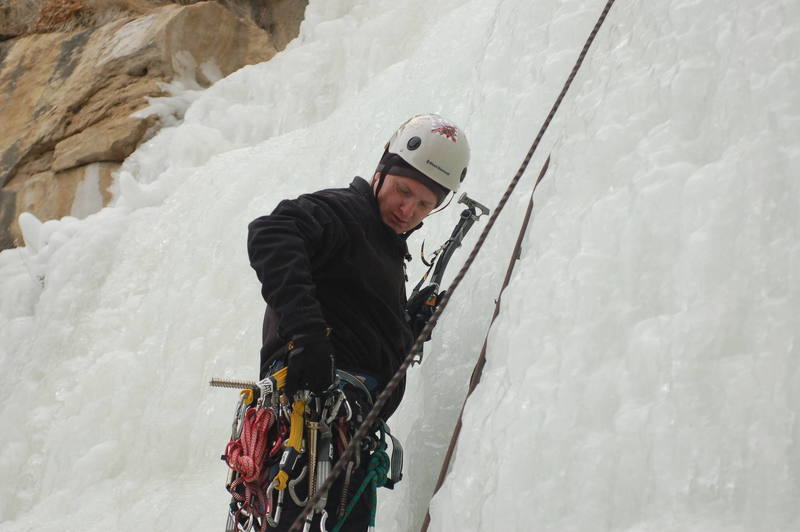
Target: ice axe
442, 256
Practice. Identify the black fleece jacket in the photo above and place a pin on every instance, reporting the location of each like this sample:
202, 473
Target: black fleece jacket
327, 260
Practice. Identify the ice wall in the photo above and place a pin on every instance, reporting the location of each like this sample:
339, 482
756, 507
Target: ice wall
643, 372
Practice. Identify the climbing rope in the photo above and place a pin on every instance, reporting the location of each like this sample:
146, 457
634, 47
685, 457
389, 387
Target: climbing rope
377, 476
246, 455
384, 396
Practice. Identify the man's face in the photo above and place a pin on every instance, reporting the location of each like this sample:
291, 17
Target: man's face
403, 202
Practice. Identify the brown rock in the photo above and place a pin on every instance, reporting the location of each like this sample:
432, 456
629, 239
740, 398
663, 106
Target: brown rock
90, 185
111, 140
54, 85
78, 192
66, 98
8, 211
16, 17
280, 18
43, 196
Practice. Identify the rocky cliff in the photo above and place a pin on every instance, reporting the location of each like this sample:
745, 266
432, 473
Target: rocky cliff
72, 73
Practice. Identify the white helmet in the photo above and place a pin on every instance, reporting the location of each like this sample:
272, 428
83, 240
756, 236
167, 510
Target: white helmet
434, 146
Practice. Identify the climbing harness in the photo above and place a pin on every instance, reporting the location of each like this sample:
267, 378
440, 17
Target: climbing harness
416, 348
270, 439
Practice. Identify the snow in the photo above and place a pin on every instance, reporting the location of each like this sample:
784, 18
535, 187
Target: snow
643, 373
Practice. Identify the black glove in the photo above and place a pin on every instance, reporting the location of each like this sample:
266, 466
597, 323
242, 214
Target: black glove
421, 307
310, 365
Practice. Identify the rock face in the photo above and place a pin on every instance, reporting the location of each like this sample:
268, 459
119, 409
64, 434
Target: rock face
66, 98
280, 18
14, 20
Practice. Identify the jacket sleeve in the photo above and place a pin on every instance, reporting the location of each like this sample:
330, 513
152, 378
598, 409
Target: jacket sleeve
285, 248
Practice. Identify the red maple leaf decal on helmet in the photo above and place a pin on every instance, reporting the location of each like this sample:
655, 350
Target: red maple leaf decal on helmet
448, 130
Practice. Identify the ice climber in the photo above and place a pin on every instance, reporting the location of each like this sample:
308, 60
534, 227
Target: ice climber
332, 269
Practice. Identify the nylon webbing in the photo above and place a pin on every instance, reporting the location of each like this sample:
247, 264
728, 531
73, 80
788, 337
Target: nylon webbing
372, 417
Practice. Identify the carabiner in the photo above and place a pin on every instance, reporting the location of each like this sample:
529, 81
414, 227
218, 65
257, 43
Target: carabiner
349, 410
248, 526
274, 522
334, 410
292, 484
233, 524
236, 426
268, 505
